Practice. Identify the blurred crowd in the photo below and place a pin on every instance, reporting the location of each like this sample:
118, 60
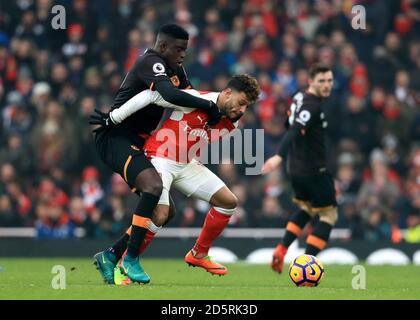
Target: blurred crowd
51, 80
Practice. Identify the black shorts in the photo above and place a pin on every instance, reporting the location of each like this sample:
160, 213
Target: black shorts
316, 190
122, 152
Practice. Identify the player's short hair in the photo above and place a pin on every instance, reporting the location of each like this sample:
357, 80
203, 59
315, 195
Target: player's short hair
318, 68
174, 31
245, 83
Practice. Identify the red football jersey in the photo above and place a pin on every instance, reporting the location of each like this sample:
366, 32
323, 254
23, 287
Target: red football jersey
182, 136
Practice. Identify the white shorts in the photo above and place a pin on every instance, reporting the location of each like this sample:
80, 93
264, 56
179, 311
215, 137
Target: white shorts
192, 179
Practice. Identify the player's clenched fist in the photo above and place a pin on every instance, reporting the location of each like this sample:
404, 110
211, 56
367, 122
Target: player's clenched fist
271, 164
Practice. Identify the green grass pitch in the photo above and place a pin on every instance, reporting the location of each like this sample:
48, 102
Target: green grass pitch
173, 279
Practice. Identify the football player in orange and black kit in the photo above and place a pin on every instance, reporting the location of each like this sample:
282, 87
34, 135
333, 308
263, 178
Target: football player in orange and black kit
312, 184
120, 144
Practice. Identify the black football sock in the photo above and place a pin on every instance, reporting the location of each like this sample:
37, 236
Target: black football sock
141, 219
317, 241
294, 227
119, 246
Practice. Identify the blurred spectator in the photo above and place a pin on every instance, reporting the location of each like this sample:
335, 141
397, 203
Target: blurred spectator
392, 154
148, 20
380, 191
78, 214
8, 216
121, 190
188, 217
7, 174
348, 182
20, 201
52, 80
359, 84
91, 190
47, 191
395, 120
52, 220
134, 48
413, 232
15, 116
383, 68
261, 53
285, 77
237, 35
51, 145
41, 94
277, 204
271, 214
58, 76
75, 46
83, 14
357, 123
18, 154
377, 226
402, 87
115, 216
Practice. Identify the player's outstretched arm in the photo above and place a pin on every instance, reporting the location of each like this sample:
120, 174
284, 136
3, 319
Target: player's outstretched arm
275, 161
271, 164
177, 97
136, 103
141, 100
160, 101
116, 116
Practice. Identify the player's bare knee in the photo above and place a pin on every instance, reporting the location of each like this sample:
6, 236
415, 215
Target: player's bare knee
230, 202
224, 198
160, 215
160, 220
330, 216
171, 213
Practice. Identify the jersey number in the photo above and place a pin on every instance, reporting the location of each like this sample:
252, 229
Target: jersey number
295, 107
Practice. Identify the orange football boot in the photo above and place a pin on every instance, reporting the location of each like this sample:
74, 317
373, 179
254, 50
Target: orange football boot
278, 258
205, 263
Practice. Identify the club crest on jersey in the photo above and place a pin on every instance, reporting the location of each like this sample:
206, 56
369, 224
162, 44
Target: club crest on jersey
199, 133
175, 81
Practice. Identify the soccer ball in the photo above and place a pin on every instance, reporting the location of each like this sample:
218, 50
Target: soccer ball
306, 271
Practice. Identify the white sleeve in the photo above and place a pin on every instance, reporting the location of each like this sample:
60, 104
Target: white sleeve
141, 100
163, 103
